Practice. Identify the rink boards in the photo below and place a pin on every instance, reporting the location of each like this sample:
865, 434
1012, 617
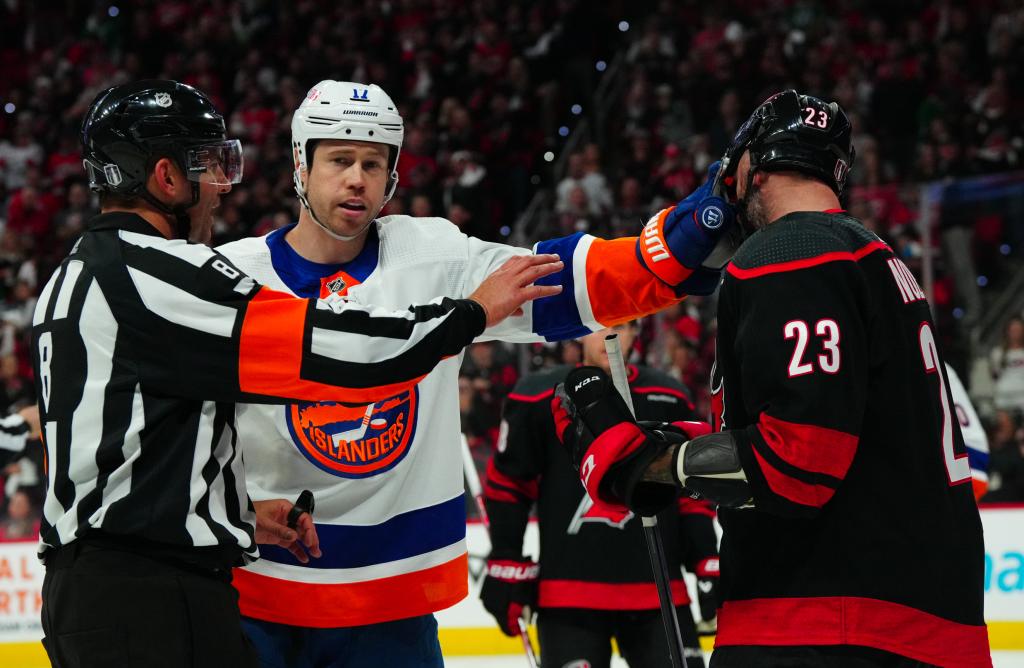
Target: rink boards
467, 629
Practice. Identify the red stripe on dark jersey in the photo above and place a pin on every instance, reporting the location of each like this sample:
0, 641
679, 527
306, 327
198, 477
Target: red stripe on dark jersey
850, 620
492, 493
606, 595
531, 397
527, 488
792, 489
808, 447
688, 506
793, 265
657, 389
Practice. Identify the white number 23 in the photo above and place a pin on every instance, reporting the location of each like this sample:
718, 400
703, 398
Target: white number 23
829, 358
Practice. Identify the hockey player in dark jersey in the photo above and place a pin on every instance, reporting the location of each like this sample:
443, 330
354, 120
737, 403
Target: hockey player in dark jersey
594, 581
850, 535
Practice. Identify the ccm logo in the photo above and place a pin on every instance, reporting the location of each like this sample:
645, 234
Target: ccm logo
585, 381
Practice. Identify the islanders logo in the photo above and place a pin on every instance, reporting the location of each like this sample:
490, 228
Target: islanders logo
354, 441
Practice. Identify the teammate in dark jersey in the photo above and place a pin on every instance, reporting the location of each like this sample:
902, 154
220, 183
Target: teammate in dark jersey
853, 539
595, 579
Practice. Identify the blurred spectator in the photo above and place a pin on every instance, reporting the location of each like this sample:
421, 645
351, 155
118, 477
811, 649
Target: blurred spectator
32, 208
631, 211
22, 520
489, 368
1006, 462
595, 198
1007, 363
18, 154
69, 221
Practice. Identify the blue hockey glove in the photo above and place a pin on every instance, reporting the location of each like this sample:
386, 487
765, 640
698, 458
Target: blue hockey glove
686, 246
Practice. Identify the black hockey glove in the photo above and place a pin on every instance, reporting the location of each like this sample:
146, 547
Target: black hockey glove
609, 449
510, 586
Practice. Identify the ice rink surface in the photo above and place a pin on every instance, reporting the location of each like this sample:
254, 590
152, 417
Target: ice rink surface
999, 660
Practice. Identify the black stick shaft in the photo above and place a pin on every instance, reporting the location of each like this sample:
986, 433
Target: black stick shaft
655, 549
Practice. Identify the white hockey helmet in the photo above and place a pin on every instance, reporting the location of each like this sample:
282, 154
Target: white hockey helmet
346, 110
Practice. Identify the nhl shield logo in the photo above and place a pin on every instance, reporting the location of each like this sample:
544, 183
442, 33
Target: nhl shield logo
162, 100
337, 285
354, 441
840, 171
113, 174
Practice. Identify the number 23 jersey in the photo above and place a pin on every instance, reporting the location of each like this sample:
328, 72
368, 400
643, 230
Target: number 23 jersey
865, 530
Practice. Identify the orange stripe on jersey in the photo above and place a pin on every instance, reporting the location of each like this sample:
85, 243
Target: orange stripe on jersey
654, 247
620, 288
979, 486
271, 351
355, 603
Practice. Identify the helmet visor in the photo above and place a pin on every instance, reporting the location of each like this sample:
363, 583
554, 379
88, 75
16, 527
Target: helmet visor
220, 163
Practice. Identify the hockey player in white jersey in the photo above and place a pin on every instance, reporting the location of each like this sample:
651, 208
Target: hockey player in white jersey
387, 478
973, 431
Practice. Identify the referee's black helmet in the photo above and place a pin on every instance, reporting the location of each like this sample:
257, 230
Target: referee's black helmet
130, 126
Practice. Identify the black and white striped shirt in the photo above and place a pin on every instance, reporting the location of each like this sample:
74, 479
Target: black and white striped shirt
14, 433
141, 347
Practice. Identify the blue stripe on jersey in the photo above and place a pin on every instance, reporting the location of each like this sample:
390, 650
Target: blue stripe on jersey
558, 318
303, 276
978, 460
406, 535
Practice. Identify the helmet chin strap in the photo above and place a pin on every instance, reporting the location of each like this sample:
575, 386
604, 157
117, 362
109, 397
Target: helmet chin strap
300, 190
182, 219
328, 231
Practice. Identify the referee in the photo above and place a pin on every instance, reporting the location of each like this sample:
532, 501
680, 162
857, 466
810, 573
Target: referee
142, 342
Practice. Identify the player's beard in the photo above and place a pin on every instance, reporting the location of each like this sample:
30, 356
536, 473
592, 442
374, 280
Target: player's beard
752, 212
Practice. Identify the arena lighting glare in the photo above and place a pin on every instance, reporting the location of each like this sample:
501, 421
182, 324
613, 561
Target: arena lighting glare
113, 11
601, 66
9, 107
549, 156
563, 131
623, 26
576, 109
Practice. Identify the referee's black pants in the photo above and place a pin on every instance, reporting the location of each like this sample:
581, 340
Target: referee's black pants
108, 607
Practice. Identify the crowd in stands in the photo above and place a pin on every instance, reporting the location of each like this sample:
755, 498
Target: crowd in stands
487, 88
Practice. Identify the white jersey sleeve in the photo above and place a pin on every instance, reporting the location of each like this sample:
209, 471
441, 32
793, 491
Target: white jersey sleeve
973, 431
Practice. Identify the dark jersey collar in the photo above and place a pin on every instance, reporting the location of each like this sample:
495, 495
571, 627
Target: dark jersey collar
121, 220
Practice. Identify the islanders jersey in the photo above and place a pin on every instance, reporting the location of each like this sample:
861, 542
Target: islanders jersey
387, 477
973, 431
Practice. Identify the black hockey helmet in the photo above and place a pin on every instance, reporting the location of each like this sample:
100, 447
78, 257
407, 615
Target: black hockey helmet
129, 127
795, 132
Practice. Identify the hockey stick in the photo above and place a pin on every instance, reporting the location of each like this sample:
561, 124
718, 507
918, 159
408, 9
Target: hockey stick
655, 549
531, 658
476, 490
473, 479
